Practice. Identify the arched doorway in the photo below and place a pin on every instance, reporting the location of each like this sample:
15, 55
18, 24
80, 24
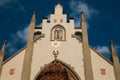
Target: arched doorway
56, 71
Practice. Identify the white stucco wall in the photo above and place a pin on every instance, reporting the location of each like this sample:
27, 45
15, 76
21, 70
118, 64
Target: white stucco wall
43, 54
99, 63
14, 63
70, 51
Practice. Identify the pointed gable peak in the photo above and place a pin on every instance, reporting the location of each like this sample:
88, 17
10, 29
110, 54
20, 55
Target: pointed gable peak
82, 16
112, 45
113, 50
4, 44
83, 20
111, 42
58, 9
3, 47
34, 16
59, 5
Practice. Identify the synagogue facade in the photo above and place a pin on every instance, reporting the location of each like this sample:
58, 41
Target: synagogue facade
58, 53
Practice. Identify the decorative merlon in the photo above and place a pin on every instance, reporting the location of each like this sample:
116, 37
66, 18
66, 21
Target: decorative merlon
58, 9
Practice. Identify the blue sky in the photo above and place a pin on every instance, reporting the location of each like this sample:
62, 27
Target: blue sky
103, 20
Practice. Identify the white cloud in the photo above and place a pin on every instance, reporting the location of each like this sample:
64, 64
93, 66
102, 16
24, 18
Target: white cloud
102, 49
23, 34
4, 2
12, 4
20, 37
77, 7
11, 48
117, 47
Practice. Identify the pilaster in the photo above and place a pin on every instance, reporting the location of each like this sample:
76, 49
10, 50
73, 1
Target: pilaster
86, 51
26, 72
115, 61
2, 54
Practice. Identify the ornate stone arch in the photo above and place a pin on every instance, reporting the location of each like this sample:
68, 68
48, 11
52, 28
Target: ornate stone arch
58, 32
57, 70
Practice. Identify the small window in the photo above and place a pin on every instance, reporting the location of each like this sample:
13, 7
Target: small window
79, 34
37, 34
